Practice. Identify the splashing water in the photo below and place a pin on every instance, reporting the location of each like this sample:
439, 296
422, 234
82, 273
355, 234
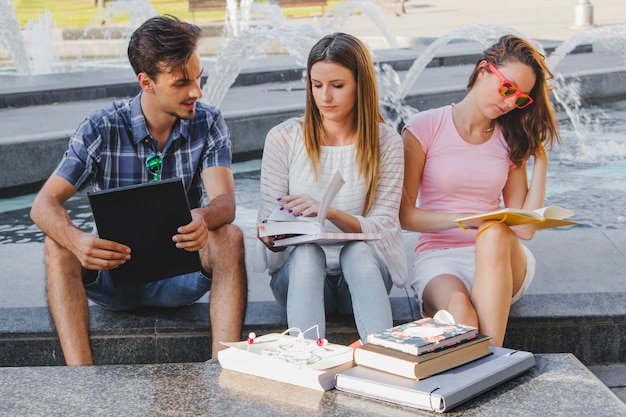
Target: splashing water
231, 23
43, 51
585, 123
11, 37
603, 140
246, 5
336, 17
594, 34
486, 35
393, 107
297, 40
271, 14
134, 11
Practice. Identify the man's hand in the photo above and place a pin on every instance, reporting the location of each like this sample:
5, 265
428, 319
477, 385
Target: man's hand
99, 254
193, 236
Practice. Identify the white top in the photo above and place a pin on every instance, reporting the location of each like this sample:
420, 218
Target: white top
286, 170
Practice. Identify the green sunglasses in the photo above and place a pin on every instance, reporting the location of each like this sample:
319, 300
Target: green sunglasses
154, 163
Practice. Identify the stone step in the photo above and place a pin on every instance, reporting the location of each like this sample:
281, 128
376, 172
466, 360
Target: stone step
30, 151
36, 90
591, 326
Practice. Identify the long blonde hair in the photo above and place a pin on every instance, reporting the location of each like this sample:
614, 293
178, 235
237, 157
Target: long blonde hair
350, 53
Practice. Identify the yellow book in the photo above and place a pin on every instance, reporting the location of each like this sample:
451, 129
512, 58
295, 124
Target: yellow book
542, 218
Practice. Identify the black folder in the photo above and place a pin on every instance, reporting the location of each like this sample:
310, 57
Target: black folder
145, 217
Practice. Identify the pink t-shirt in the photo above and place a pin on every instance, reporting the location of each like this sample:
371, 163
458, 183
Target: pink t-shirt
458, 177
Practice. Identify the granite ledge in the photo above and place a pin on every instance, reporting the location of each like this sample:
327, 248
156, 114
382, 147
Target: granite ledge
558, 385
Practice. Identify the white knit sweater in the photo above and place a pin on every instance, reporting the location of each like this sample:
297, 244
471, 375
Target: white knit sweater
286, 170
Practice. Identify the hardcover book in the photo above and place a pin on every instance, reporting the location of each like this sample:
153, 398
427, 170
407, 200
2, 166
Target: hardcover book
295, 230
543, 218
421, 366
290, 359
422, 336
440, 392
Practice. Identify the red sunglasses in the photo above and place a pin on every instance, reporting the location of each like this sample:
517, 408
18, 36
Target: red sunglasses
508, 89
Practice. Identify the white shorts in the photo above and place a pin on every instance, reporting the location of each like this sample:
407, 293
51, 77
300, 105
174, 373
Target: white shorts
460, 262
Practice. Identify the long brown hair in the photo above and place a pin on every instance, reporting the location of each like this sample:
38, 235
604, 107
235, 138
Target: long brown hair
530, 130
350, 53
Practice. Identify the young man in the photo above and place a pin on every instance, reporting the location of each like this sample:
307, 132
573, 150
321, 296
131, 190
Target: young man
110, 149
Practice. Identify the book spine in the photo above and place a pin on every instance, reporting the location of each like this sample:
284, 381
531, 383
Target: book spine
401, 347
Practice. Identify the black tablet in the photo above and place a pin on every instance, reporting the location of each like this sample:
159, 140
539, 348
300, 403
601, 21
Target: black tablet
145, 217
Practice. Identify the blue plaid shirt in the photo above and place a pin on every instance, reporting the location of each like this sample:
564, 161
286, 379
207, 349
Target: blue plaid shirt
110, 147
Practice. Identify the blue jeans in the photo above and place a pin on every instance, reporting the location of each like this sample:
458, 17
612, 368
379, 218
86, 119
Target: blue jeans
308, 294
172, 292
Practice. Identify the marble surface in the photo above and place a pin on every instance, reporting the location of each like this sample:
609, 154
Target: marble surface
558, 385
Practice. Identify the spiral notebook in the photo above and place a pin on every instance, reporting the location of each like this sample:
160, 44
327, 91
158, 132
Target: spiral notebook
145, 217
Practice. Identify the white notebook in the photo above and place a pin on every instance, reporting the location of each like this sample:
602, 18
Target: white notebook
440, 392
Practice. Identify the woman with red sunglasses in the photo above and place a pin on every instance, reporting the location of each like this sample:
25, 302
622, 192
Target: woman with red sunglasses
471, 158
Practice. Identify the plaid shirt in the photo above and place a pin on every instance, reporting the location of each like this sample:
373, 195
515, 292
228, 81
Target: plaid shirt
110, 147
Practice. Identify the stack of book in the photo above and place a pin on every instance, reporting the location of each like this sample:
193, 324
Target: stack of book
422, 348
429, 364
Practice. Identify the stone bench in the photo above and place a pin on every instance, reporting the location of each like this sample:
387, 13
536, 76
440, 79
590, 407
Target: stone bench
586, 325
28, 337
558, 385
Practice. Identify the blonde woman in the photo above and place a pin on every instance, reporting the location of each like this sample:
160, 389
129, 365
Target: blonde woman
342, 130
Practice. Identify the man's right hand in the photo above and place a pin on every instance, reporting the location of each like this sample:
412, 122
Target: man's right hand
99, 254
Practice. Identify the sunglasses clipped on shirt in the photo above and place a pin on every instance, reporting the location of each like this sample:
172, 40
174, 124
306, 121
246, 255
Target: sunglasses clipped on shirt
508, 89
154, 163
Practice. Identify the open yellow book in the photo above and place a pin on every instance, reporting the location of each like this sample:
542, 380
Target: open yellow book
542, 218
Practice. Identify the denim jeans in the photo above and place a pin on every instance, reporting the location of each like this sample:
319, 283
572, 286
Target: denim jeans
172, 292
308, 294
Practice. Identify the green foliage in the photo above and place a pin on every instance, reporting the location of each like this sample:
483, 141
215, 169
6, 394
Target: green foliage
82, 13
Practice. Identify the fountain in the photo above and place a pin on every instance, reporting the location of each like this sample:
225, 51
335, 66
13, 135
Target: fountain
40, 55
567, 93
133, 12
298, 40
337, 16
398, 87
269, 13
43, 52
11, 37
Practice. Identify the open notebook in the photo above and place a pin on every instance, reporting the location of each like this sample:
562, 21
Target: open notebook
145, 217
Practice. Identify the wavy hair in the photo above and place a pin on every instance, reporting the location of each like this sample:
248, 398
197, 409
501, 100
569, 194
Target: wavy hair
163, 43
349, 52
530, 130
